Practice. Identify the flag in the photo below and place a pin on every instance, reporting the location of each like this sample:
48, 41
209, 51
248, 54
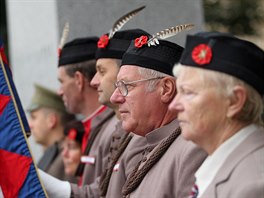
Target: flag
18, 174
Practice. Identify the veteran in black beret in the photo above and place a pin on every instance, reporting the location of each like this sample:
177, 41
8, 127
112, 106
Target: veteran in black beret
76, 68
144, 89
220, 83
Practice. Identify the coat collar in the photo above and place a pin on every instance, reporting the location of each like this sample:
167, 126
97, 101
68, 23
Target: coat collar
102, 117
155, 136
249, 145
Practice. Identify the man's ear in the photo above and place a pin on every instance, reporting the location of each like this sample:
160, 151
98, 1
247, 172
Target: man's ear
237, 101
168, 89
52, 120
79, 80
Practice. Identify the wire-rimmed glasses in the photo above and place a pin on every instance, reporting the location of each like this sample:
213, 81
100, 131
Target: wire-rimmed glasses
122, 86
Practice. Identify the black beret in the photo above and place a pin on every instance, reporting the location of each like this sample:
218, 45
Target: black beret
118, 44
160, 57
225, 53
78, 50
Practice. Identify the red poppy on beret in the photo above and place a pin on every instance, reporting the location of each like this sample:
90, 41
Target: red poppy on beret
103, 41
72, 134
202, 54
139, 42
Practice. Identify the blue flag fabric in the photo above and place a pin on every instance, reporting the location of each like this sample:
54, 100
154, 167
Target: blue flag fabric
18, 176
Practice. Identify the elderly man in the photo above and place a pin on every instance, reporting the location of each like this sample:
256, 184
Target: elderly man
219, 104
145, 88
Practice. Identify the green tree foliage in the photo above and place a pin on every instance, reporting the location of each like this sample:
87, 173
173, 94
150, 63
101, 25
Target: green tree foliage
240, 17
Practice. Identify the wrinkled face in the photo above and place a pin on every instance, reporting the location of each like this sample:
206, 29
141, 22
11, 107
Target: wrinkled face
139, 109
38, 123
105, 78
68, 91
201, 109
71, 155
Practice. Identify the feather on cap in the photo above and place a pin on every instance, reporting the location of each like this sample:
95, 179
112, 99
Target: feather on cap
65, 34
115, 43
169, 32
123, 20
64, 37
159, 55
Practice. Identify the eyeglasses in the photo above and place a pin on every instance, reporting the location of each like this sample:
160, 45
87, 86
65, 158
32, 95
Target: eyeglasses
122, 86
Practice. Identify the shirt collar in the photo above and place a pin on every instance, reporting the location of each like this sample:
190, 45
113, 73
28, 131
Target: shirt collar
94, 113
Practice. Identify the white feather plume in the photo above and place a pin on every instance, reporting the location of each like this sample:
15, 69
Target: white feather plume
123, 20
168, 33
65, 34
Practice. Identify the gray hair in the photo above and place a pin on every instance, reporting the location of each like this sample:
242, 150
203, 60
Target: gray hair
150, 73
253, 107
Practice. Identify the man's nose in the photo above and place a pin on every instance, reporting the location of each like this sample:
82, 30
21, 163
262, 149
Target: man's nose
117, 97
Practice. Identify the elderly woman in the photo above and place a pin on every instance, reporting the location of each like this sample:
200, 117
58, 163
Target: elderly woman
220, 83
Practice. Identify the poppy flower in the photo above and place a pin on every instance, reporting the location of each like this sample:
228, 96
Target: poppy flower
72, 134
139, 42
202, 54
103, 41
